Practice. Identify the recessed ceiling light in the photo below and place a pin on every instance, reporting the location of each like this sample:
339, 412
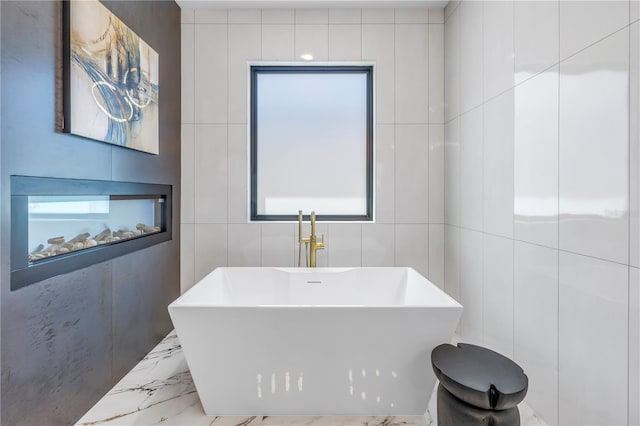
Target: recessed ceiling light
307, 57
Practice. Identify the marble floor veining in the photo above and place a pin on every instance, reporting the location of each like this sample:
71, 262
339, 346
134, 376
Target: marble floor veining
160, 391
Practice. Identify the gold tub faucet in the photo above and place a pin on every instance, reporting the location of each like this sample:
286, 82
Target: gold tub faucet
312, 241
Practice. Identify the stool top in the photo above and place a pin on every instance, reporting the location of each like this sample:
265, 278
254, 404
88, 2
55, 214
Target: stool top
479, 376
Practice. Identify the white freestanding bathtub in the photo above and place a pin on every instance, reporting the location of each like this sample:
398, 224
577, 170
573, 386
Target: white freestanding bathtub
322, 341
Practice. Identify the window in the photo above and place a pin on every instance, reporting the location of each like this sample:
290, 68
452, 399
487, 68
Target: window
311, 139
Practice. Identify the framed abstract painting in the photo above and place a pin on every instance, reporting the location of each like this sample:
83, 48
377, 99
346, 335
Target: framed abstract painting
111, 81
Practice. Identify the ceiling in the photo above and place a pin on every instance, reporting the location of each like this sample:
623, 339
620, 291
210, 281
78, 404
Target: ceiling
187, 4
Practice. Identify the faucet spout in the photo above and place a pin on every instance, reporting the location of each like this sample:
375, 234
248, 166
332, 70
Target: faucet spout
314, 245
311, 242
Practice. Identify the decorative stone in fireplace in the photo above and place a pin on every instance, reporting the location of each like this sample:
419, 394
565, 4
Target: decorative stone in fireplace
60, 225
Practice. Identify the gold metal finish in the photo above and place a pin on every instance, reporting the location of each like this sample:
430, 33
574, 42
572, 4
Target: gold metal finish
313, 244
312, 241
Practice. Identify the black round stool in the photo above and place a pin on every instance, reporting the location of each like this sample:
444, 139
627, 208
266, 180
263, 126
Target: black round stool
477, 386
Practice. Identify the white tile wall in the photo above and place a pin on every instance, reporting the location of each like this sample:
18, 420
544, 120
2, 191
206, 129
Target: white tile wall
535, 307
497, 306
558, 170
378, 45
535, 33
412, 73
536, 160
244, 244
471, 286
412, 173
497, 161
407, 47
593, 333
471, 140
436, 73
498, 47
583, 23
471, 55
210, 168
634, 146
378, 245
436, 173
634, 346
276, 245
187, 173
345, 42
346, 244
209, 73
594, 150
452, 37
452, 172
412, 247
436, 254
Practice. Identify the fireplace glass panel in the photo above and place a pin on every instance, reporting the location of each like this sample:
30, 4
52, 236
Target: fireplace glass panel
59, 225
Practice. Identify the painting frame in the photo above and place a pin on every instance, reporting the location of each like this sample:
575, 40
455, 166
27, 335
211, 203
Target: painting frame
111, 79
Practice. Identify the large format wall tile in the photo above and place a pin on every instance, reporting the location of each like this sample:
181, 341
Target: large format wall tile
535, 309
452, 261
436, 254
187, 174
412, 247
278, 16
471, 55
436, 173
593, 336
378, 245
278, 245
210, 173
536, 160
187, 256
210, 248
245, 44
436, 73
237, 173
452, 66
594, 158
385, 173
244, 16
278, 42
244, 244
471, 169
345, 42
634, 346
535, 37
583, 23
378, 45
412, 66
498, 166
497, 293
498, 47
312, 40
471, 286
452, 172
345, 16
346, 244
634, 145
187, 63
210, 73
412, 173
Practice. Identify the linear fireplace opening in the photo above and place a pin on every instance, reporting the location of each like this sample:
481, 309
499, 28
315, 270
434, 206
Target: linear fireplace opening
59, 225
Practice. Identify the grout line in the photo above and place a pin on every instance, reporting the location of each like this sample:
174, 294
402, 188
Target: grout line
513, 175
557, 401
629, 164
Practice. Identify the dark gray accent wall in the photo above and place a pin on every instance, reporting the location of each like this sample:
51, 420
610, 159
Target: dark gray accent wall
67, 340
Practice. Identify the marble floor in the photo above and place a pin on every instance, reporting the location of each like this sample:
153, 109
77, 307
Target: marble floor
159, 390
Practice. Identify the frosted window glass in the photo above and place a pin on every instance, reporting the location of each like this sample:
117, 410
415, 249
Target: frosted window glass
312, 143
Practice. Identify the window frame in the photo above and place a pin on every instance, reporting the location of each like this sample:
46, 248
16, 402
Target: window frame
254, 71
